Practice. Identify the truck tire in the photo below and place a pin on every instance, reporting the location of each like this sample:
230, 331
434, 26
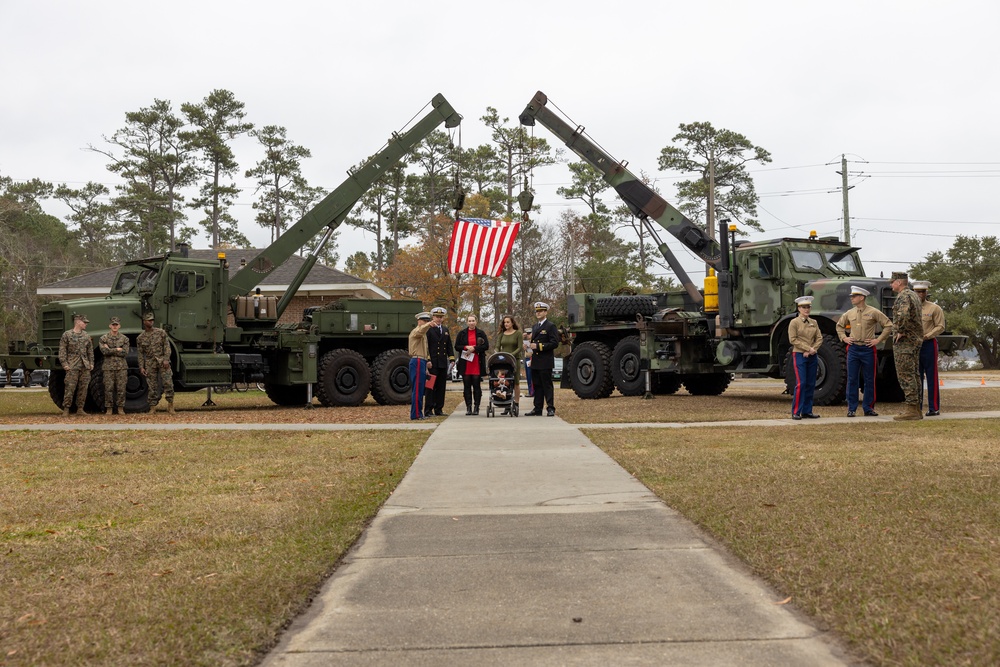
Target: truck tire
344, 379
391, 378
887, 388
136, 389
625, 363
294, 394
57, 390
590, 370
625, 307
665, 383
708, 384
831, 372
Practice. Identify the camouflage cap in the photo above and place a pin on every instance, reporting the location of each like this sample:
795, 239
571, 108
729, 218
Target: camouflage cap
899, 275
81, 317
147, 317
116, 320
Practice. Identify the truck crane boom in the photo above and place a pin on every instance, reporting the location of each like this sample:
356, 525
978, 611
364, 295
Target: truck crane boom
639, 197
335, 206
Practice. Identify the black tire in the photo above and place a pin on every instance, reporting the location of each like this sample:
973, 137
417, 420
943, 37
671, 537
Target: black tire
590, 370
707, 384
625, 307
391, 378
831, 372
344, 379
95, 392
887, 388
665, 383
294, 394
57, 388
625, 364
136, 388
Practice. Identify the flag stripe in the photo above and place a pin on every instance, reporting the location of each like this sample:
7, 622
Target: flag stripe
480, 246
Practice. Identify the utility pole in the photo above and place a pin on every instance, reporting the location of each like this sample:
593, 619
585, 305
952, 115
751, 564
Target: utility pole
710, 213
844, 188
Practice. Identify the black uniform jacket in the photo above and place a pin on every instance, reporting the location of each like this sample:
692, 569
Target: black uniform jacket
439, 346
546, 335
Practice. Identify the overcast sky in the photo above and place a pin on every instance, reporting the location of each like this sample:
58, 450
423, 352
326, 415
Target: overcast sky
908, 90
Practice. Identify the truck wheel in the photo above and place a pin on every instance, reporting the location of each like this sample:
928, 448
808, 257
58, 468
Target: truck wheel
344, 379
95, 392
625, 367
293, 394
625, 307
709, 384
831, 372
887, 388
57, 387
590, 370
136, 389
391, 378
665, 383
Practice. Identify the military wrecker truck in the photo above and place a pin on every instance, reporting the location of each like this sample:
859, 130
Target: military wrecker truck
222, 329
645, 344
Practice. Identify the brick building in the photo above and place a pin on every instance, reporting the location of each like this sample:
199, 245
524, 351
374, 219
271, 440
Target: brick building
323, 284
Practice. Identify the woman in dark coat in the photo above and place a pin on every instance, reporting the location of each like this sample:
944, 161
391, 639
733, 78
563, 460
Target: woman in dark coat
471, 344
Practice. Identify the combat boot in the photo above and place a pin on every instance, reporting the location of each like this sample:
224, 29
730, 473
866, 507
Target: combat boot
65, 413
170, 407
911, 413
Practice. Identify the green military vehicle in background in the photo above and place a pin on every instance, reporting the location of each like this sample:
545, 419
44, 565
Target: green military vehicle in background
223, 331
645, 344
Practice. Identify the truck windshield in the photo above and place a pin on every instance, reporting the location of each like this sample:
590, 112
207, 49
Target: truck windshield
847, 263
126, 282
807, 259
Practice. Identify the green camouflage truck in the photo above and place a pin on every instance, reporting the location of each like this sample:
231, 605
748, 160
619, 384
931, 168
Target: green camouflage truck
646, 344
222, 330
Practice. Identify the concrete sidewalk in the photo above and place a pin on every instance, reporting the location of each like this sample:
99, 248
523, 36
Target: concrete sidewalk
518, 541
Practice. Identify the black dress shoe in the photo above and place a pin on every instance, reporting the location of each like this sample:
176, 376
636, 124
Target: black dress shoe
933, 413
811, 415
871, 413
850, 413
551, 412
796, 417
475, 410
533, 413
468, 412
439, 413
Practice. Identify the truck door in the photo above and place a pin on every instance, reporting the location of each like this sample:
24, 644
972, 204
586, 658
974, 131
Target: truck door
759, 299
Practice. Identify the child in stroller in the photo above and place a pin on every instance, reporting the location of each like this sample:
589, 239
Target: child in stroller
500, 367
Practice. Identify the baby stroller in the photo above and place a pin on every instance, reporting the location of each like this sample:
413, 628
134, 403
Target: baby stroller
500, 368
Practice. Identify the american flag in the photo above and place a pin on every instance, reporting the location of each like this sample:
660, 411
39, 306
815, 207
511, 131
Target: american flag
481, 246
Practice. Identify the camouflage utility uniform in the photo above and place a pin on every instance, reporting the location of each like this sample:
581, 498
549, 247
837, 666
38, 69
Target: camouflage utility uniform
154, 358
76, 353
115, 369
907, 325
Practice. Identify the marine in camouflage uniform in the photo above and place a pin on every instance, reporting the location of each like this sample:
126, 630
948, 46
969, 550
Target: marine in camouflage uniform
76, 354
154, 363
114, 347
908, 329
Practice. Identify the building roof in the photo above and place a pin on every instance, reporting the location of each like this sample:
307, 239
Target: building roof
322, 279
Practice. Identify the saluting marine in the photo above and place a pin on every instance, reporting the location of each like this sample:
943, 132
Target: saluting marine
857, 327
76, 354
805, 337
114, 347
154, 363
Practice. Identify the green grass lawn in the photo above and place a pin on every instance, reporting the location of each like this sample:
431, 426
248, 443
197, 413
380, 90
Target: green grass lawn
181, 548
889, 534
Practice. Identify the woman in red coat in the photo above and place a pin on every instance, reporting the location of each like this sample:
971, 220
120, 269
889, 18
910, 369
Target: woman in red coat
471, 344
